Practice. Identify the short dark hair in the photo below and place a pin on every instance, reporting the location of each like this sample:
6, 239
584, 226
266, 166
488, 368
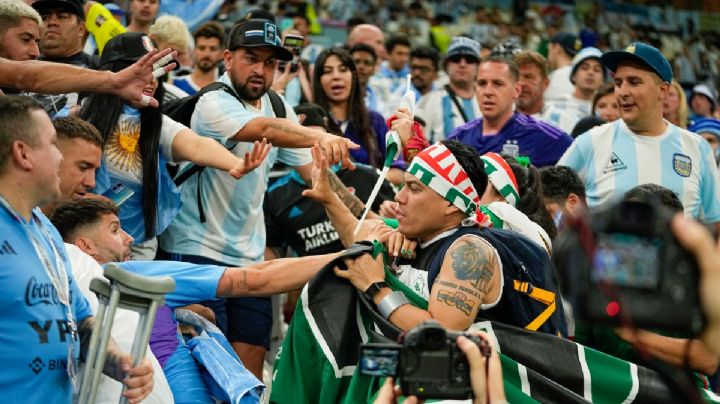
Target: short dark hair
75, 128
396, 40
77, 214
361, 47
530, 187
469, 160
659, 193
512, 66
559, 182
16, 124
585, 124
426, 52
211, 29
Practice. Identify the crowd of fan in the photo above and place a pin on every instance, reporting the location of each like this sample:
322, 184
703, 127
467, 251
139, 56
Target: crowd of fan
543, 119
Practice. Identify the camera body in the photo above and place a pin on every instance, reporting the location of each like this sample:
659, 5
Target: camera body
627, 268
293, 43
428, 362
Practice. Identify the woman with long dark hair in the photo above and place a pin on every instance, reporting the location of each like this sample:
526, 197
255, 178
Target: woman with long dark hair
140, 141
336, 88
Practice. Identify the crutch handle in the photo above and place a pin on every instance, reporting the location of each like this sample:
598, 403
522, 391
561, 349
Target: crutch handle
137, 284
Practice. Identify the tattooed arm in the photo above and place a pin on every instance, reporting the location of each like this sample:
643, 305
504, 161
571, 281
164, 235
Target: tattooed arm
271, 277
118, 365
469, 277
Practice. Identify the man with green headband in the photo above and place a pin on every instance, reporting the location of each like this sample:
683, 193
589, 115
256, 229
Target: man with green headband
462, 269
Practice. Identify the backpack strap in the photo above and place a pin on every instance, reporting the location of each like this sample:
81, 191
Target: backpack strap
541, 295
277, 103
453, 97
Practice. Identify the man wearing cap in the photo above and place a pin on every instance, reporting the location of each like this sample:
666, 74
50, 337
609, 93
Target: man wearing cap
702, 102
503, 130
62, 33
642, 147
455, 104
561, 50
587, 74
233, 232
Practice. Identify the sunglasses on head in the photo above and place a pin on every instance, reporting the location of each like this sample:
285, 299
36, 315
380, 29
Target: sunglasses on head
467, 58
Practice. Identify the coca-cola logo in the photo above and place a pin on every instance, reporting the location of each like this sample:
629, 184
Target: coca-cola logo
40, 292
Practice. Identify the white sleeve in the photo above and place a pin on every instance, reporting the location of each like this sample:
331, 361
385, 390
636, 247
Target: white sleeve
170, 128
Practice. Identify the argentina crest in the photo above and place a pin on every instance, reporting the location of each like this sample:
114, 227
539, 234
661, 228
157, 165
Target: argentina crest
682, 164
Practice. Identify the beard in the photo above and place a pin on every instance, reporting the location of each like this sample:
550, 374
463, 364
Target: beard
248, 92
206, 65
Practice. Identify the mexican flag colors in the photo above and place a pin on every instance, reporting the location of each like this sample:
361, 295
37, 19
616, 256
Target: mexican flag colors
317, 362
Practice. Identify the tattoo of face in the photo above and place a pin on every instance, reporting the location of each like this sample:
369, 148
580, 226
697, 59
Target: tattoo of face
470, 263
457, 300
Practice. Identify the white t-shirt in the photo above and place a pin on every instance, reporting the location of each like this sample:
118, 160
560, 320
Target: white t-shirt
560, 85
85, 268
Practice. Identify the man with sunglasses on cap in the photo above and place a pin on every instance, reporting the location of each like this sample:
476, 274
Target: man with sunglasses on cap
455, 104
233, 232
642, 147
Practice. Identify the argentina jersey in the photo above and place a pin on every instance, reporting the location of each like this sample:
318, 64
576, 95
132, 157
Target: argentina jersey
610, 159
441, 115
234, 228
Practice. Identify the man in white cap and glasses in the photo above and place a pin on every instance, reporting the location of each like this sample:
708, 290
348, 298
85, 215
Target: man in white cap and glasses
454, 104
642, 147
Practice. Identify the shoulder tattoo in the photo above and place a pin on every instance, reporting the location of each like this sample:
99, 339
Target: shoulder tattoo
474, 263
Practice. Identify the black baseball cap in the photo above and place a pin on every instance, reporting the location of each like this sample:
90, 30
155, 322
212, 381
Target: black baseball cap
72, 6
568, 41
128, 47
256, 33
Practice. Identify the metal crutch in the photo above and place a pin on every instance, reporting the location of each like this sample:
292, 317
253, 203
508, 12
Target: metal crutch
126, 290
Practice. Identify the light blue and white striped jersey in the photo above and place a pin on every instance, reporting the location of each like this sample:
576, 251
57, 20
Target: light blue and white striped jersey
573, 105
234, 231
611, 160
442, 116
563, 119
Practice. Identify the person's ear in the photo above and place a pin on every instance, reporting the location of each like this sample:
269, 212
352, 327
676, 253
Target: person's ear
21, 154
86, 245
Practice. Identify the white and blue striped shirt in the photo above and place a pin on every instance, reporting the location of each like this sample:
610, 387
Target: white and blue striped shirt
234, 231
442, 116
611, 160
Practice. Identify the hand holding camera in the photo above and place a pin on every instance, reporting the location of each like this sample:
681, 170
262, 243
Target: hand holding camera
432, 362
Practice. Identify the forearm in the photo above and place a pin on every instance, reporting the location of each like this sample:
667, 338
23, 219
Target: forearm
53, 78
672, 351
113, 359
271, 277
407, 316
279, 132
203, 151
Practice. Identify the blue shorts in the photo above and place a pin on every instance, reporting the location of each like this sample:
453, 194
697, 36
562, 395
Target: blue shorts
241, 319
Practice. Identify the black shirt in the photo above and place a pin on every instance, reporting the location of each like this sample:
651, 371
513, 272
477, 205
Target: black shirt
301, 223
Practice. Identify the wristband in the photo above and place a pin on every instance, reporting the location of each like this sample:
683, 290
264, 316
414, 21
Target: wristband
391, 302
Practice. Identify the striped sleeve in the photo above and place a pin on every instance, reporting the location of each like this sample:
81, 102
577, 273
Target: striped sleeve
709, 190
576, 156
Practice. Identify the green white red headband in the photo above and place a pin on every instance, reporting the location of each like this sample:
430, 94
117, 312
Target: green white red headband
501, 176
439, 170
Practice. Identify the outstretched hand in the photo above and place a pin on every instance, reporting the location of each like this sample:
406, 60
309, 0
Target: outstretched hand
253, 159
320, 191
337, 149
130, 82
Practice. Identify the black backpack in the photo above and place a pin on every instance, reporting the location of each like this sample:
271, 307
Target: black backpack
181, 110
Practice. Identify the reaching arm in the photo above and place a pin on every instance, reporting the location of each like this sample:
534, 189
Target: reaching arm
271, 277
204, 151
58, 78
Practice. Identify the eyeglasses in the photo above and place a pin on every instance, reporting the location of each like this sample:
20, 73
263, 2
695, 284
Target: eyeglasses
366, 62
467, 58
421, 69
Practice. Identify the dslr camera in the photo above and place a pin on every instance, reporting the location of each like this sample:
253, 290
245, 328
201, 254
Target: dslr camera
625, 267
427, 361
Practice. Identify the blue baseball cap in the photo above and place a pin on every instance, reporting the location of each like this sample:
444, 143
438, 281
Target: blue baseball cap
642, 53
706, 125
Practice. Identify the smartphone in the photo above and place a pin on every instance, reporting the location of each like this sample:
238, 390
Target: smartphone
379, 359
119, 193
293, 43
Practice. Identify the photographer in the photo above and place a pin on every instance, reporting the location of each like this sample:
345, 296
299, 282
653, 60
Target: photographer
486, 378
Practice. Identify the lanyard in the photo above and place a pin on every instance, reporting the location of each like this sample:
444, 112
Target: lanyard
58, 272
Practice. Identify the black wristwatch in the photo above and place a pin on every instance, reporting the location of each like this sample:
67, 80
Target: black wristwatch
373, 289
